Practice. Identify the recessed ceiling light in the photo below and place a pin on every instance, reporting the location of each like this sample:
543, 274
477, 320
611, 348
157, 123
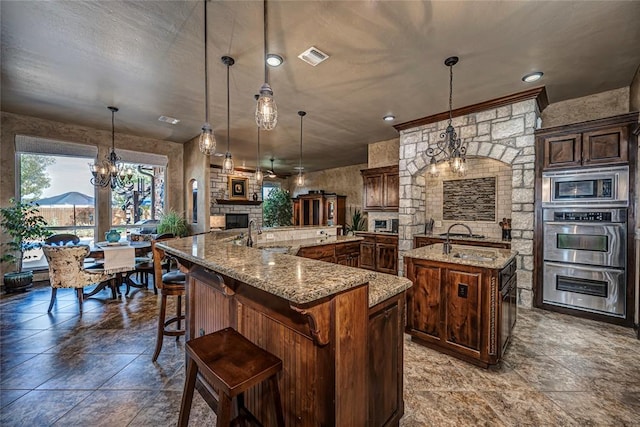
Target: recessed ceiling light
274, 60
389, 118
167, 119
532, 77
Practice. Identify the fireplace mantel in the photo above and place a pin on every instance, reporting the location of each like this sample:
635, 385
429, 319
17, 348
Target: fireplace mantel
239, 202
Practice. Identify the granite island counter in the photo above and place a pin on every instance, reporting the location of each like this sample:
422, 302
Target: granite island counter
328, 324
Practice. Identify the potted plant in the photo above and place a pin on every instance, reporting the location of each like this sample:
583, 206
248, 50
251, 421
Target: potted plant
174, 223
27, 228
357, 222
277, 209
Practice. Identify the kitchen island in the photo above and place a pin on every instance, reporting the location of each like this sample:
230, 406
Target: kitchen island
462, 303
338, 330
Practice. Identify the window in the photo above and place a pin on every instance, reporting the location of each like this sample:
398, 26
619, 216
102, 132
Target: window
268, 187
56, 176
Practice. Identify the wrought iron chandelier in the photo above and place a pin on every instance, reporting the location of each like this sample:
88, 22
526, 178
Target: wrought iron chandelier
111, 172
450, 147
207, 140
227, 164
266, 109
300, 179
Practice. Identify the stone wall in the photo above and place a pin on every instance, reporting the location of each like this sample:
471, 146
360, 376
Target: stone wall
591, 107
505, 134
219, 189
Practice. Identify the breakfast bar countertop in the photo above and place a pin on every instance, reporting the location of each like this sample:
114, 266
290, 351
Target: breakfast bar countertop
296, 279
293, 246
475, 256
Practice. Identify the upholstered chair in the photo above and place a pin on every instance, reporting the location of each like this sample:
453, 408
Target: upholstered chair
66, 270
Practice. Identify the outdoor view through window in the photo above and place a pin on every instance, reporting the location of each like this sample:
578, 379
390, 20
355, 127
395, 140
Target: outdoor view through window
61, 185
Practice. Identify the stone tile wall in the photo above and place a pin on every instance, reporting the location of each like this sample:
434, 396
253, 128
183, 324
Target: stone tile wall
219, 187
505, 134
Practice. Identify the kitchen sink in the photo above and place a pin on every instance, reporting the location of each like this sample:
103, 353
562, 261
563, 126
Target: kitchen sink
453, 235
473, 257
277, 249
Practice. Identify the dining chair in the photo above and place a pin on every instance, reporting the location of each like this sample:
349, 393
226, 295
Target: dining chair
66, 271
171, 284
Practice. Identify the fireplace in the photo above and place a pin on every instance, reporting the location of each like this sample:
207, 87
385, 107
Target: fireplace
234, 220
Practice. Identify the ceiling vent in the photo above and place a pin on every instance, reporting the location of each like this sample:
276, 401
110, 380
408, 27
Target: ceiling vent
167, 119
313, 56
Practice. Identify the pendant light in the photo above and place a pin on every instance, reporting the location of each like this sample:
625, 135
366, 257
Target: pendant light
266, 109
272, 172
227, 164
300, 179
207, 140
450, 147
111, 172
258, 175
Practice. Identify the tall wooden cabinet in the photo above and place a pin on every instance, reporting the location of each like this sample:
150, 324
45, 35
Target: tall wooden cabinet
381, 188
320, 209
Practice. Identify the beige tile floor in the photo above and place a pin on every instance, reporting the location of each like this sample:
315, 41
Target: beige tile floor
95, 370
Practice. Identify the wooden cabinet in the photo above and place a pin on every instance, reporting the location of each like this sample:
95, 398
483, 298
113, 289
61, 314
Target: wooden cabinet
381, 188
420, 241
386, 325
597, 142
457, 309
379, 252
321, 253
347, 253
320, 209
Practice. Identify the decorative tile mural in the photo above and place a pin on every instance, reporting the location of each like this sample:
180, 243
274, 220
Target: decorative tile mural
469, 199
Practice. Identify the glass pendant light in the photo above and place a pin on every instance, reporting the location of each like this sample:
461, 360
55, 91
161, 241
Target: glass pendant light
207, 140
266, 109
227, 164
258, 175
433, 168
300, 179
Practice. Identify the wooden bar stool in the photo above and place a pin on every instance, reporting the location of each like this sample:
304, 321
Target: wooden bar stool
231, 364
171, 284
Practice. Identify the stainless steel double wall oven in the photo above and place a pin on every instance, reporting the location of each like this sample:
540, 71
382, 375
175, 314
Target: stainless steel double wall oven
585, 237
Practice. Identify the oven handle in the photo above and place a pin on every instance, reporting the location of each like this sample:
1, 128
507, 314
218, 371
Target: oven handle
584, 268
591, 224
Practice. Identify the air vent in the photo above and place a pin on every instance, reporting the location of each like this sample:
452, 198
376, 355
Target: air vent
313, 56
167, 119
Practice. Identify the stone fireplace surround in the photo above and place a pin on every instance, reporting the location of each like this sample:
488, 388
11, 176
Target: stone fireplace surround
504, 133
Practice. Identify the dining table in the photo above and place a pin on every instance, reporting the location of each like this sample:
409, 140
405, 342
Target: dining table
123, 269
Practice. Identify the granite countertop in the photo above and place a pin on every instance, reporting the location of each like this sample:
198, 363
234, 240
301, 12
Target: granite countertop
384, 286
296, 279
490, 257
471, 239
293, 246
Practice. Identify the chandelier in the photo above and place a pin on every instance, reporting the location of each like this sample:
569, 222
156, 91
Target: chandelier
266, 109
450, 147
300, 179
111, 172
227, 164
207, 140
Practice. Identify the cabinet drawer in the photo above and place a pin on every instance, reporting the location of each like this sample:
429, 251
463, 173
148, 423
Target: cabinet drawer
347, 248
391, 240
317, 252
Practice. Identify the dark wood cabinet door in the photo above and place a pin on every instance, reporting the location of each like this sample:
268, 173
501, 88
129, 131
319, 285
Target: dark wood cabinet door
562, 151
368, 255
605, 146
373, 197
392, 191
387, 258
322, 253
463, 323
385, 365
423, 300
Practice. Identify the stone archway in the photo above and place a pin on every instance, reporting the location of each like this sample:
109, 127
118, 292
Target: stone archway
505, 134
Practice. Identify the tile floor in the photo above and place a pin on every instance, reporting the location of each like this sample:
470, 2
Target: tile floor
95, 370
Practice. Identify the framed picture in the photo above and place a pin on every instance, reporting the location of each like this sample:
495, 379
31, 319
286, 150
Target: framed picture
238, 187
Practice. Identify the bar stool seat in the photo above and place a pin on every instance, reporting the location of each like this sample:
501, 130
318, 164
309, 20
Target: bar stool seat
231, 364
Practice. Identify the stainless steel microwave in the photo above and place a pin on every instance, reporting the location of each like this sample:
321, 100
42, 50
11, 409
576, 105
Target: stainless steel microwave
593, 187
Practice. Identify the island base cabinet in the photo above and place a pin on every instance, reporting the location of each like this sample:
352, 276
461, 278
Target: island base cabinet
455, 309
342, 362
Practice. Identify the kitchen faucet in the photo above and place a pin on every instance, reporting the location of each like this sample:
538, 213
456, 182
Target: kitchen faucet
446, 246
258, 230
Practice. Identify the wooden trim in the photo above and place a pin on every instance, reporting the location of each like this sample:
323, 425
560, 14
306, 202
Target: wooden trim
383, 169
582, 127
238, 202
539, 94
